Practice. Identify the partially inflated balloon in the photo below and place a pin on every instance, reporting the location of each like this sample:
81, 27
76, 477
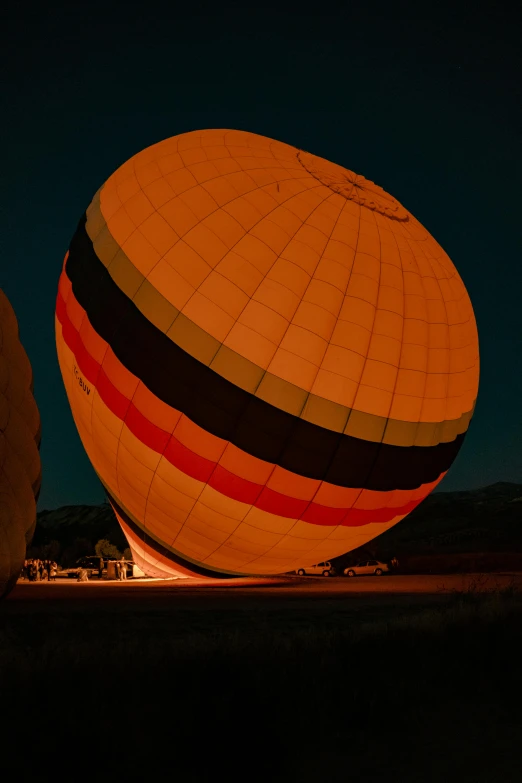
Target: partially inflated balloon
20, 471
269, 360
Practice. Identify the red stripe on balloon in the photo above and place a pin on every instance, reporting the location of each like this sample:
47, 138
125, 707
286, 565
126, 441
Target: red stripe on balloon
235, 487
188, 461
328, 515
117, 402
206, 470
89, 366
282, 505
152, 436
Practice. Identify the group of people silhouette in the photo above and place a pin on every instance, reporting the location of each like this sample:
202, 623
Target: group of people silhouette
36, 570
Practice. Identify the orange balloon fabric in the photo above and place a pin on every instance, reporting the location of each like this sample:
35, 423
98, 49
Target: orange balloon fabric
20, 470
269, 360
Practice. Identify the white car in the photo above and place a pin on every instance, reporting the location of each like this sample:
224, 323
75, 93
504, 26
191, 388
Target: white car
321, 569
367, 567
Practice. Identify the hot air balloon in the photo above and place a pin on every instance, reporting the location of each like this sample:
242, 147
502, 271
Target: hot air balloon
20, 470
268, 358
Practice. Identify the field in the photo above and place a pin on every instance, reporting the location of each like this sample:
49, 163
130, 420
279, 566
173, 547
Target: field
270, 680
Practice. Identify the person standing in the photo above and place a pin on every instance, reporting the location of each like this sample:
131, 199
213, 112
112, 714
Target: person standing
100, 568
53, 568
123, 569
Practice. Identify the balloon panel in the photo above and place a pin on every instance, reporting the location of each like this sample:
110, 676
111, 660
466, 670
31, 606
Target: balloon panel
20, 470
268, 358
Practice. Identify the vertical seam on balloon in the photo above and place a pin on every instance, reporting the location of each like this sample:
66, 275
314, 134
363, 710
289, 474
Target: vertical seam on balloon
372, 332
464, 295
347, 419
177, 424
428, 338
194, 501
321, 482
247, 233
402, 334
265, 372
202, 184
229, 250
449, 338
350, 409
400, 354
362, 371
131, 402
328, 239
395, 385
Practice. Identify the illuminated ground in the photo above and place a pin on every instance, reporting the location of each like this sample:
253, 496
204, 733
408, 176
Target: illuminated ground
286, 601
246, 589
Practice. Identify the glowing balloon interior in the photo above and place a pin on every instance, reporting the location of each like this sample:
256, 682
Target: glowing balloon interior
269, 360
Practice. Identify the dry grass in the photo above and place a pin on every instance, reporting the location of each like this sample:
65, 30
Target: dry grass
281, 700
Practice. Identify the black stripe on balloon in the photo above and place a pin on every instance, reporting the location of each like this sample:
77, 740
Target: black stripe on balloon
228, 412
174, 558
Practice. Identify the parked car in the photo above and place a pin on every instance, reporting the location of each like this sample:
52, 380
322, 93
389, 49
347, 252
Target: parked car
321, 569
367, 567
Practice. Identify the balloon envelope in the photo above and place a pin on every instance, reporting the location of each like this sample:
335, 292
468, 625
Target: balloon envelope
269, 360
20, 470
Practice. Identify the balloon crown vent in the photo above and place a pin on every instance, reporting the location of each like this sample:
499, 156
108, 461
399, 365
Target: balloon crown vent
352, 186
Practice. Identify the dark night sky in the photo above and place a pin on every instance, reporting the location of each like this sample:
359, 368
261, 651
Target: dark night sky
421, 99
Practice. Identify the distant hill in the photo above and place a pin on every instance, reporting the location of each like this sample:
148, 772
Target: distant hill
479, 529
486, 520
